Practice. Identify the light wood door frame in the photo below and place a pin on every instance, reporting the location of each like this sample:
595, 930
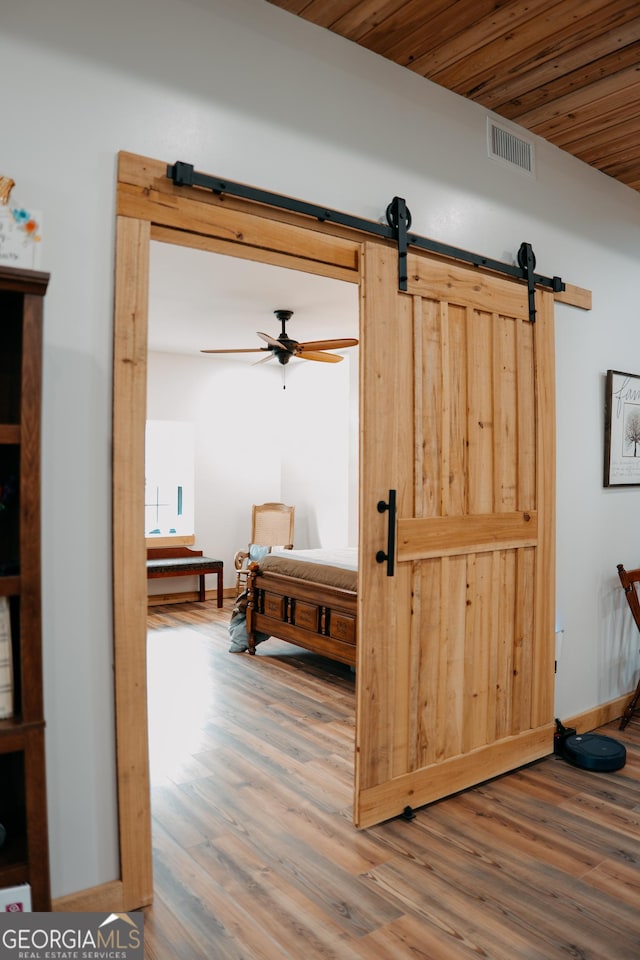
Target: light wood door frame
151, 207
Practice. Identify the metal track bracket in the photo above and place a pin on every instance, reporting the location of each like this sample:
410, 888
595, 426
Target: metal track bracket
396, 229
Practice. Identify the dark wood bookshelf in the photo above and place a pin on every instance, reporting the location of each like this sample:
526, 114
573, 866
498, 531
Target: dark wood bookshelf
24, 856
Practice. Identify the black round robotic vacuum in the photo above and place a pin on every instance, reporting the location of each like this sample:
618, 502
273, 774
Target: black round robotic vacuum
592, 751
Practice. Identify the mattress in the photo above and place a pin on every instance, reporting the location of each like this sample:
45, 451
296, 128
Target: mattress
345, 557
315, 566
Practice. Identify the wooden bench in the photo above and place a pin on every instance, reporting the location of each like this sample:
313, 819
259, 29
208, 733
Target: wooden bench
183, 562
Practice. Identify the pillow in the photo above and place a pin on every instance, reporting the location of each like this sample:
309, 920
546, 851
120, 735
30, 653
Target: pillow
257, 553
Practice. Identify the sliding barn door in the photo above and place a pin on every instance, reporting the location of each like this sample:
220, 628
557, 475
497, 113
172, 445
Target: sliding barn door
456, 647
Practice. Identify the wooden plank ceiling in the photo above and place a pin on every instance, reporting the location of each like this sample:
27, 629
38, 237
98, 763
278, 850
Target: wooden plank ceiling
567, 70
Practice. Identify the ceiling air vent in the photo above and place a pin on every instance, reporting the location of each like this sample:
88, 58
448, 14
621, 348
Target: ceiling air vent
508, 148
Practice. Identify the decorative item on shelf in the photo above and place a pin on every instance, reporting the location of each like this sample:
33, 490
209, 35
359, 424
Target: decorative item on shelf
16, 899
6, 186
20, 231
6, 661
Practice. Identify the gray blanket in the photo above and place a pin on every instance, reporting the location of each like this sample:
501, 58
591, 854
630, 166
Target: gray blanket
238, 626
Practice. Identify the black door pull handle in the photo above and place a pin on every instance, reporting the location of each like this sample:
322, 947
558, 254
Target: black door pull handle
389, 556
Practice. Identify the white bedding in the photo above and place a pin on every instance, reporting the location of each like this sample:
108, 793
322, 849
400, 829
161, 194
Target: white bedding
344, 557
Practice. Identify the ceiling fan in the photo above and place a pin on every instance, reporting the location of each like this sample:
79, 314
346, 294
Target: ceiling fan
283, 348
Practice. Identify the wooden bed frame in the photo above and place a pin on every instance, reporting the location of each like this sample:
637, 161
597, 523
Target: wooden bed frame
315, 616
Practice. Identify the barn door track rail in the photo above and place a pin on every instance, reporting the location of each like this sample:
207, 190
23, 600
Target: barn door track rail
397, 228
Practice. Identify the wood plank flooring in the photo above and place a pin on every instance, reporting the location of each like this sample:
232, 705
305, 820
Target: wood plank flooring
255, 856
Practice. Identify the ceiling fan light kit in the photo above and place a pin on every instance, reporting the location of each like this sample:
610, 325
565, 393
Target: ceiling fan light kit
283, 348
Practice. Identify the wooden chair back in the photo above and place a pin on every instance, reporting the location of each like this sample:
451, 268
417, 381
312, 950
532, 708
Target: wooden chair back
272, 525
629, 580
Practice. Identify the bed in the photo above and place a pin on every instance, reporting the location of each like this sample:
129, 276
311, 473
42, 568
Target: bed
308, 597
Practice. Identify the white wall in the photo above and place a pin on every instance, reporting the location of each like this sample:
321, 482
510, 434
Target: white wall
244, 90
299, 453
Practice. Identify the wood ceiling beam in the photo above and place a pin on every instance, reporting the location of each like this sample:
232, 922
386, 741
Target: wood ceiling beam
576, 24
364, 17
399, 26
517, 77
325, 13
484, 44
593, 102
429, 32
517, 81
591, 147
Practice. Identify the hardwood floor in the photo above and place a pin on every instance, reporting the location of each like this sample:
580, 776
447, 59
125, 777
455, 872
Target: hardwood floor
255, 857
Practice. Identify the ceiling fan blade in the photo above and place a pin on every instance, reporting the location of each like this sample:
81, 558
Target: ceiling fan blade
271, 355
320, 355
272, 341
240, 350
326, 345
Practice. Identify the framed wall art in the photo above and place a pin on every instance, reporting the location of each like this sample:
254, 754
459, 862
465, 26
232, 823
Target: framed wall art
622, 430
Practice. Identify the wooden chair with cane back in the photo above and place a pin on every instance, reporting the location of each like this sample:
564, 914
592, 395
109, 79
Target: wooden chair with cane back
271, 526
629, 580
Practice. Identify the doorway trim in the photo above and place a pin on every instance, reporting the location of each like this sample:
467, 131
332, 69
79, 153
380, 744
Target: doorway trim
151, 207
